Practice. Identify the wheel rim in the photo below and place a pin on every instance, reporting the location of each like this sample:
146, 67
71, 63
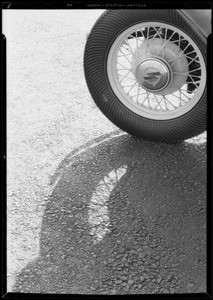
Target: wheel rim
156, 70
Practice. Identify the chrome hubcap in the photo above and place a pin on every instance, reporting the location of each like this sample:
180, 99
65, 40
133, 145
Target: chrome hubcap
153, 74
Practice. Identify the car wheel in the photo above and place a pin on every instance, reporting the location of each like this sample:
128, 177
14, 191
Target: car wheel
146, 71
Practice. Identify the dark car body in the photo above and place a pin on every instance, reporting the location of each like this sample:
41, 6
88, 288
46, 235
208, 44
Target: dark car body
199, 19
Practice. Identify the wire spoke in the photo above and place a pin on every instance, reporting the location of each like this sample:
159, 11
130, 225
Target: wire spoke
127, 85
180, 95
184, 90
137, 39
148, 98
132, 87
126, 56
147, 40
144, 100
198, 81
179, 41
194, 60
142, 33
122, 55
148, 47
130, 47
122, 69
141, 93
124, 76
194, 81
175, 96
180, 90
195, 70
138, 93
165, 102
168, 101
165, 35
157, 33
184, 95
122, 66
158, 101
181, 99
180, 54
165, 44
187, 73
184, 55
127, 49
130, 78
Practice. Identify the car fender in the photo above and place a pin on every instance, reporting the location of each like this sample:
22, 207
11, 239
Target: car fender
199, 19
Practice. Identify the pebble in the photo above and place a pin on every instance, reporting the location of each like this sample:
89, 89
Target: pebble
130, 282
124, 278
118, 281
142, 268
159, 279
126, 288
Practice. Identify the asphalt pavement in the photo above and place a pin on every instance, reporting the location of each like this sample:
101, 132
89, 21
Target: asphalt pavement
91, 209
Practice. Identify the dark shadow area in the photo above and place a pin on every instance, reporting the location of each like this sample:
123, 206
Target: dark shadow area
125, 216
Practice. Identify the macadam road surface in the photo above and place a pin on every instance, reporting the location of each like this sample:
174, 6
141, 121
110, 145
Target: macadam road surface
91, 209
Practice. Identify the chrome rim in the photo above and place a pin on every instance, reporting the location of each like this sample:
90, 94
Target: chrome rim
156, 70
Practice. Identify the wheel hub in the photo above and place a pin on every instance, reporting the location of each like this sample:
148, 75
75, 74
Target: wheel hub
150, 59
153, 74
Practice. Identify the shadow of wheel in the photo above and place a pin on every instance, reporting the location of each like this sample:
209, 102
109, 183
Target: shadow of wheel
125, 216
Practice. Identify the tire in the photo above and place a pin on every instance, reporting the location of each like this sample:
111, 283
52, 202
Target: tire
165, 61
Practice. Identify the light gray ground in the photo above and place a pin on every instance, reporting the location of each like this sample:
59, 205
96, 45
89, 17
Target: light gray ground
117, 215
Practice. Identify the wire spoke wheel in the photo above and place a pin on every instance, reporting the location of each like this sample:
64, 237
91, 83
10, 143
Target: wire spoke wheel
146, 71
149, 68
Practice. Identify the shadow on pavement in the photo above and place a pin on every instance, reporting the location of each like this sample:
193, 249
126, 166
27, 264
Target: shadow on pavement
125, 216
